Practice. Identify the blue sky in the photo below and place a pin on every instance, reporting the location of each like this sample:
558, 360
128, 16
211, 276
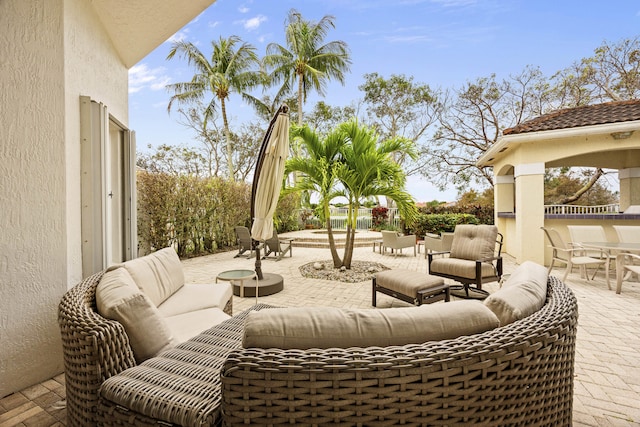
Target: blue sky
442, 43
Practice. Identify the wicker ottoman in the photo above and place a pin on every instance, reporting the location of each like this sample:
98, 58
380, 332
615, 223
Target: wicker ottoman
410, 286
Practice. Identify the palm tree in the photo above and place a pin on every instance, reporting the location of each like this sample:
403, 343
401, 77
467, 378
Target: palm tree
318, 173
229, 70
306, 61
351, 162
368, 169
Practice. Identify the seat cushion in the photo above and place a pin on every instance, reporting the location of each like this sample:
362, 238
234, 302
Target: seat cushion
187, 325
524, 293
460, 267
193, 297
407, 282
327, 327
474, 242
158, 275
118, 298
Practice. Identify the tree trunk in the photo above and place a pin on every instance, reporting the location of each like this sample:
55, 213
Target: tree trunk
584, 189
227, 135
337, 262
352, 215
300, 88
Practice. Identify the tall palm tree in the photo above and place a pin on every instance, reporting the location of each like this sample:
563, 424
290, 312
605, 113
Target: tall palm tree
230, 69
318, 173
368, 169
306, 62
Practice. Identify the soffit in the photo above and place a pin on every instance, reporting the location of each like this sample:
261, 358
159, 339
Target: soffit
138, 27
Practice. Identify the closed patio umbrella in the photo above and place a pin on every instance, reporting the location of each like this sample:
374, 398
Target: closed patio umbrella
267, 179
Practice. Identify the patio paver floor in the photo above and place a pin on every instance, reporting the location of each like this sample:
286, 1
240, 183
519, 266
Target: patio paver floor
607, 371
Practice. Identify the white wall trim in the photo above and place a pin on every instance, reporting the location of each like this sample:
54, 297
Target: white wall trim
505, 179
629, 173
529, 169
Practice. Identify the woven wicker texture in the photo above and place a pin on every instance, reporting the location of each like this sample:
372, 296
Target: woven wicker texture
94, 349
517, 375
179, 387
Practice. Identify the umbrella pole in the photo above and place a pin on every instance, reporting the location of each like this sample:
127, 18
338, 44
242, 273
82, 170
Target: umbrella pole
258, 266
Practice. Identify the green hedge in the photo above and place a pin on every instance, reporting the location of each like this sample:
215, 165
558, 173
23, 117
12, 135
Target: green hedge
197, 216
437, 223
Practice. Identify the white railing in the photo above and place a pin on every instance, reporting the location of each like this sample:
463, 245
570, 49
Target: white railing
363, 222
581, 210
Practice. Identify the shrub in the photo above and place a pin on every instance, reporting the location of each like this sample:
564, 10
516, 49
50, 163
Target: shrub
379, 216
194, 215
437, 223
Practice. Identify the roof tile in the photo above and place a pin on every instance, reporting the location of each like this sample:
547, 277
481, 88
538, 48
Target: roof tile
587, 115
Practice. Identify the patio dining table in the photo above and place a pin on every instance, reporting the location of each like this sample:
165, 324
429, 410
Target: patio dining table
610, 247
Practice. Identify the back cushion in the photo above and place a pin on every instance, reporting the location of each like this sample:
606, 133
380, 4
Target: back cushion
118, 298
473, 242
326, 327
524, 293
158, 275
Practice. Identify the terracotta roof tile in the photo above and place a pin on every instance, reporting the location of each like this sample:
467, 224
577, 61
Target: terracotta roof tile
587, 115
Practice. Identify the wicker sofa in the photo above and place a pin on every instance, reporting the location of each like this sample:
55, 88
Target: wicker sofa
518, 374
147, 308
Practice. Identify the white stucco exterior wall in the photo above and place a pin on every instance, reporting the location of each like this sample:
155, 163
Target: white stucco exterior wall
51, 51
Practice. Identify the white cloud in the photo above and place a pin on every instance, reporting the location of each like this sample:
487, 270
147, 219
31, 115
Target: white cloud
179, 36
253, 23
243, 9
142, 77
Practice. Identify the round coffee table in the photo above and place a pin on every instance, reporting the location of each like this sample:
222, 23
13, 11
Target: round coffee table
237, 275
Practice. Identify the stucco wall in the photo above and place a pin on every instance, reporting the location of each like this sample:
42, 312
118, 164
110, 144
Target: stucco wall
92, 68
52, 51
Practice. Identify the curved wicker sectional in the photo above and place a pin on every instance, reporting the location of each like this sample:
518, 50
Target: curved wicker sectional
519, 374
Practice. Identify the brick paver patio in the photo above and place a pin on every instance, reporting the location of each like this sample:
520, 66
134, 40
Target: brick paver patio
607, 386
607, 372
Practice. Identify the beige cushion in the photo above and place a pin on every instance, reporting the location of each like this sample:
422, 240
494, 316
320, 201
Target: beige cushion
118, 298
407, 282
524, 293
460, 267
187, 325
474, 242
158, 275
324, 327
193, 297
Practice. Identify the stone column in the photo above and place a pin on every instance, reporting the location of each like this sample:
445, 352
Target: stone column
529, 195
629, 187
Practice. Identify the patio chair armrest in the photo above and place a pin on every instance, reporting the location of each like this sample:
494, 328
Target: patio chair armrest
621, 256
493, 258
430, 256
498, 266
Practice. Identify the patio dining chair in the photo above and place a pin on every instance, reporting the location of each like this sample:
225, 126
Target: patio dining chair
626, 263
391, 240
571, 255
473, 259
277, 246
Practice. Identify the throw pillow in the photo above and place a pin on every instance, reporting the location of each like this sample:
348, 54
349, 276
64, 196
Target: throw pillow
524, 293
118, 298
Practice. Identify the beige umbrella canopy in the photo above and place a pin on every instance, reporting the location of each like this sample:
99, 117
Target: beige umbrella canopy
269, 174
